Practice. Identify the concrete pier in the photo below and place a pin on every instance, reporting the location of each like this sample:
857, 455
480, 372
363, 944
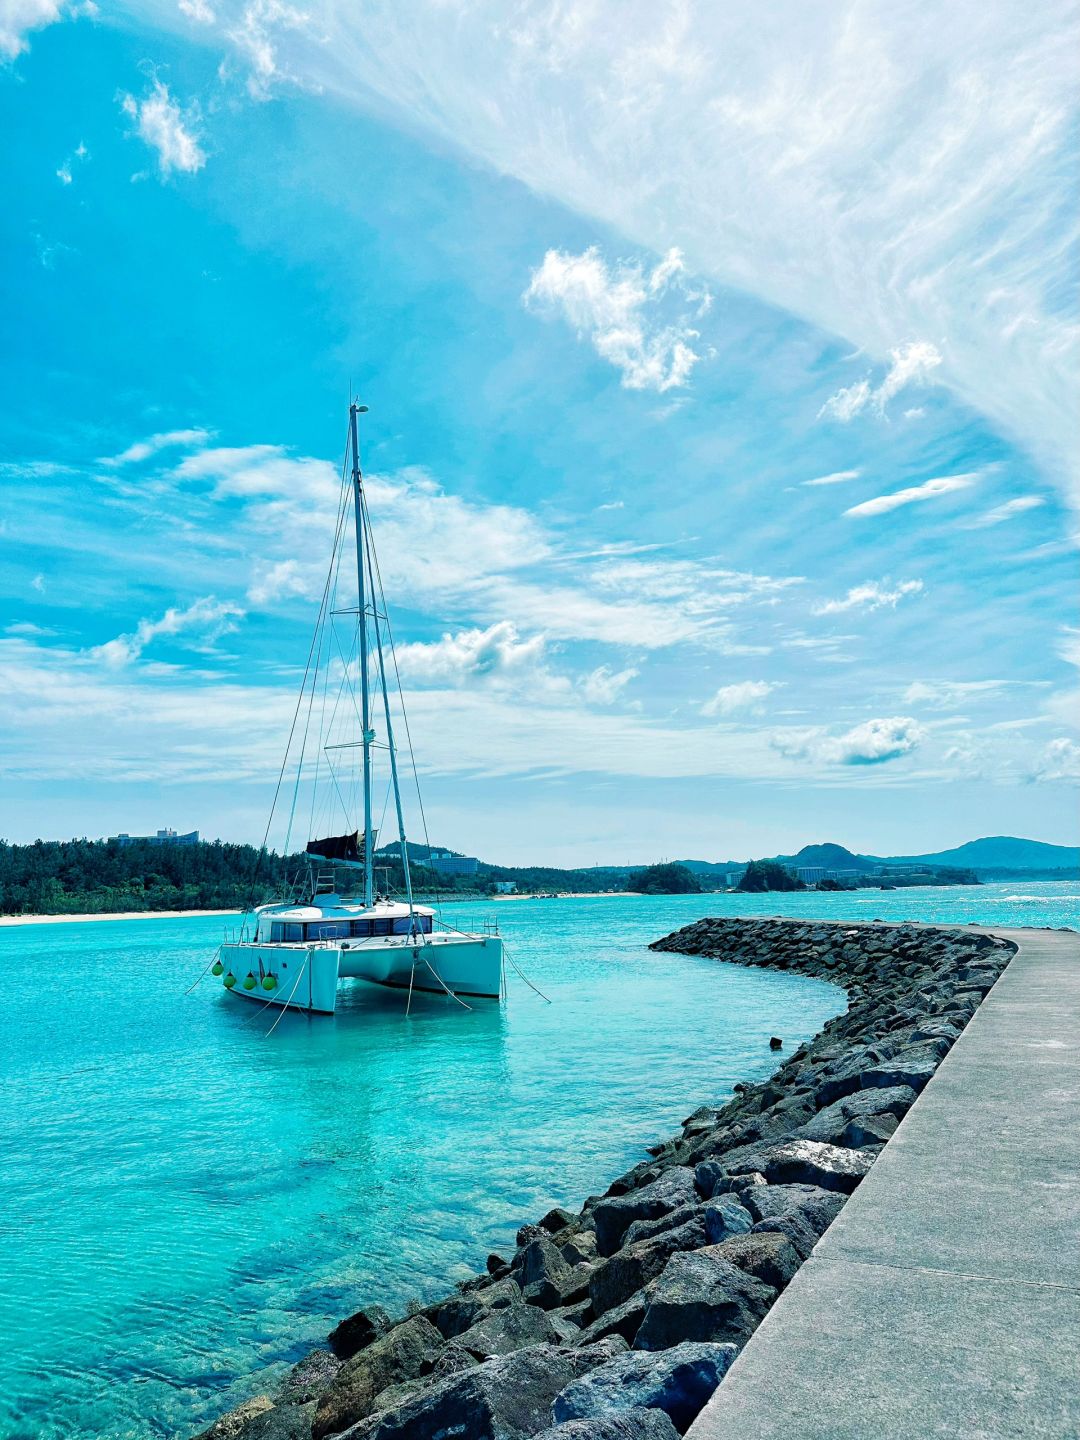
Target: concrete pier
945, 1298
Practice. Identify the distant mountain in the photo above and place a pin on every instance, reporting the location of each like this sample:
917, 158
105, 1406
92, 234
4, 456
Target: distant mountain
998, 853
1005, 852
829, 857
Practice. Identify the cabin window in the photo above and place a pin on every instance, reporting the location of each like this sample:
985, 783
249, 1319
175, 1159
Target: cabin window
425, 924
382, 927
361, 929
404, 926
328, 930
277, 931
294, 932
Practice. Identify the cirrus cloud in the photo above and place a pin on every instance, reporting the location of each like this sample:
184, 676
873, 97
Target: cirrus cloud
914, 494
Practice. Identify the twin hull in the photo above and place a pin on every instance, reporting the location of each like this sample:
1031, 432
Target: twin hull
305, 976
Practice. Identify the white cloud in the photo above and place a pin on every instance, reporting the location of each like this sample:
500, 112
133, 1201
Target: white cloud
881, 178
18, 18
838, 477
871, 596
38, 584
744, 695
209, 616
278, 581
197, 10
463, 560
161, 124
1069, 645
929, 490
1007, 511
495, 654
911, 364
618, 310
257, 35
603, 686
64, 173
144, 449
1059, 761
28, 628
948, 694
872, 743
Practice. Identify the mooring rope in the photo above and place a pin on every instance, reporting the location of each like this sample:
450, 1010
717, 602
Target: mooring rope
202, 977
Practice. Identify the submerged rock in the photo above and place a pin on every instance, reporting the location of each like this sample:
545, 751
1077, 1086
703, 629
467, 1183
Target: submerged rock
403, 1353
231, 1425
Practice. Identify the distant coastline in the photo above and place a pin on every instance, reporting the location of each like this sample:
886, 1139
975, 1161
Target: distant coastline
9, 920
6, 920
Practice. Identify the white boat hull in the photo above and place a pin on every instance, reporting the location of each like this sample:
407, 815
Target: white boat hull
306, 976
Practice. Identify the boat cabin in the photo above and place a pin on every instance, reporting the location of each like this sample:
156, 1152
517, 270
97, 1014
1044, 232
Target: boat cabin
310, 924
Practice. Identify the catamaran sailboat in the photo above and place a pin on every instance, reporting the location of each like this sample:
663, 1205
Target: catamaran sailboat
295, 952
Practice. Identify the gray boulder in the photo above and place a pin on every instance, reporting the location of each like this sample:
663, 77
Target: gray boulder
646, 1229
846, 1075
726, 1216
870, 1130
358, 1331
828, 1124
795, 1227
624, 1320
504, 1399
510, 1328
702, 1296
769, 1256
811, 1162
913, 1067
454, 1315
677, 1381
557, 1219
403, 1353
765, 1202
580, 1248
615, 1279
626, 1425
615, 1214
545, 1277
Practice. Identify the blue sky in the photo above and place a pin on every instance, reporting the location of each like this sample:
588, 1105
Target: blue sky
720, 445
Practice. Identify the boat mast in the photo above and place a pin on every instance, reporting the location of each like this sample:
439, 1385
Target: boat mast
365, 697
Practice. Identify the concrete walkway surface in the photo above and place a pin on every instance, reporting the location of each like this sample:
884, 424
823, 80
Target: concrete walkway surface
944, 1301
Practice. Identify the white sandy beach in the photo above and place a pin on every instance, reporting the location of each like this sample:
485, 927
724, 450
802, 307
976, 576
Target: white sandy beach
6, 920
121, 915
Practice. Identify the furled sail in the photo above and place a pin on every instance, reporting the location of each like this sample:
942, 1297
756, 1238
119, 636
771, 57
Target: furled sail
348, 849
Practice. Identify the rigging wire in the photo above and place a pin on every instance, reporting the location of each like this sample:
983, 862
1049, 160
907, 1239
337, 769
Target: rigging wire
404, 712
292, 727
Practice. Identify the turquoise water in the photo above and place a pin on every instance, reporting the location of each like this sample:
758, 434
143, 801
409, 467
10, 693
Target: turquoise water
187, 1200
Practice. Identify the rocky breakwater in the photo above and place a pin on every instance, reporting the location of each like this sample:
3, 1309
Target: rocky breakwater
618, 1322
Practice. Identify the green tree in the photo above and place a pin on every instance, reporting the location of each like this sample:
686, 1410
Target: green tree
669, 879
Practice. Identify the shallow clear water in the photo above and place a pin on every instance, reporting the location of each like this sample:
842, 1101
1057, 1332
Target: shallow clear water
186, 1200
